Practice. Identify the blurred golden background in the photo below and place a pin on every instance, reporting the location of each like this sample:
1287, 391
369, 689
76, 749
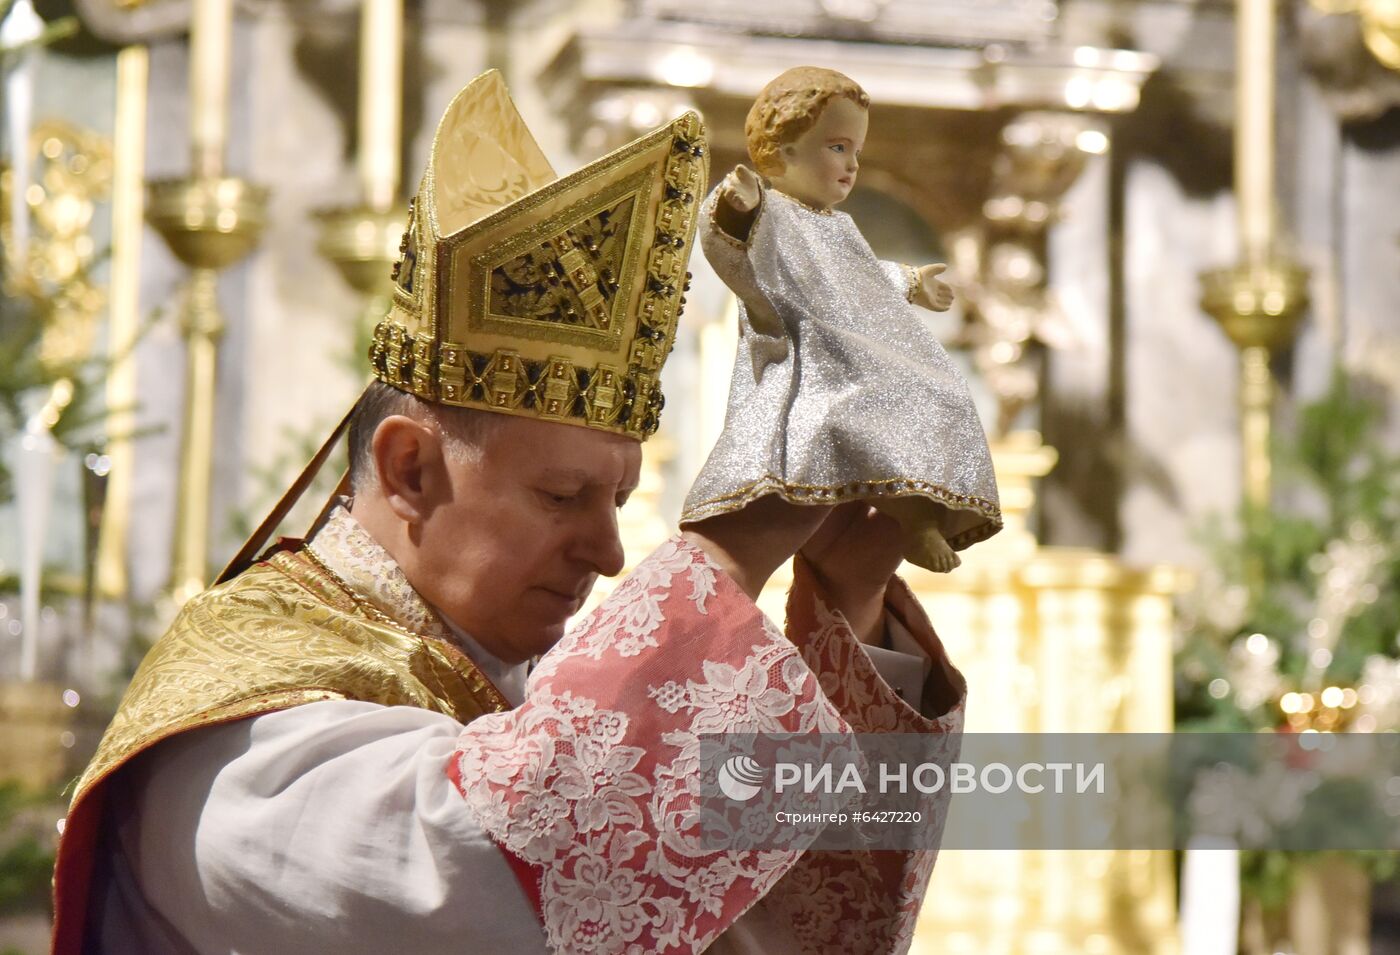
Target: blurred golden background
1174, 227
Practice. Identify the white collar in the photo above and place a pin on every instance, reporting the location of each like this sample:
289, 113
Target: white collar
509, 678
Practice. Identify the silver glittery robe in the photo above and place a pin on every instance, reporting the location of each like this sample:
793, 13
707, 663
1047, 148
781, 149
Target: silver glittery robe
840, 391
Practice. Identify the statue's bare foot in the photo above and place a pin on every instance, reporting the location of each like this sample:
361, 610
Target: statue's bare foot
929, 550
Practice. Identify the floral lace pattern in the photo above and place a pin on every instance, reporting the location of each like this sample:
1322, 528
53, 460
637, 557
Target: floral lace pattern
627, 623
847, 676
857, 902
594, 782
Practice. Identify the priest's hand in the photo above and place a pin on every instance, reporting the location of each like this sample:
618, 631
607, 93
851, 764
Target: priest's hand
751, 543
854, 554
933, 293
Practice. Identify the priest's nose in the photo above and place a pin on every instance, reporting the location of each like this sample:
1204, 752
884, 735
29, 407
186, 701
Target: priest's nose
601, 545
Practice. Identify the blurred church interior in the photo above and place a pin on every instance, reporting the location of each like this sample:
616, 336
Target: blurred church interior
1173, 226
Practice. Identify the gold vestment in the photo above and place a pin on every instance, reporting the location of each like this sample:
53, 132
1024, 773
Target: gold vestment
285, 632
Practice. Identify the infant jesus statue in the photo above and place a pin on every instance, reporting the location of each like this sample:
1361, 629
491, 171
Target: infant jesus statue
840, 392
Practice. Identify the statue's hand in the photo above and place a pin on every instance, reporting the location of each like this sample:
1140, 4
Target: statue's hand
934, 293
741, 189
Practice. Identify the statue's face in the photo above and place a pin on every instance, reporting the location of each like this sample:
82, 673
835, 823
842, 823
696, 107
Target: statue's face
820, 166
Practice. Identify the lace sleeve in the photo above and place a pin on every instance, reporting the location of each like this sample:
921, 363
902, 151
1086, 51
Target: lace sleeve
594, 783
869, 900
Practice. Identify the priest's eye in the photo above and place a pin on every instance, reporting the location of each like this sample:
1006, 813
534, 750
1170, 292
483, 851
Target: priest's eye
558, 499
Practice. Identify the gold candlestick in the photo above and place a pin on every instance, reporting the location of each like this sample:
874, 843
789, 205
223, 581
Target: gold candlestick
1258, 301
210, 221
1258, 307
209, 224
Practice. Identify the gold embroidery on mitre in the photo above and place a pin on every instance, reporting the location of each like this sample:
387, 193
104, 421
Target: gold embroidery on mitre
571, 278
551, 299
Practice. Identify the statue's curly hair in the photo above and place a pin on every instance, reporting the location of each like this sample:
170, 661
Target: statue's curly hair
789, 106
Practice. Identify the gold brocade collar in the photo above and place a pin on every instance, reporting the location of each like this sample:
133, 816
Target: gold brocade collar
375, 583
370, 577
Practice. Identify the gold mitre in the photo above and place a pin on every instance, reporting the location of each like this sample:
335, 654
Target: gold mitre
550, 298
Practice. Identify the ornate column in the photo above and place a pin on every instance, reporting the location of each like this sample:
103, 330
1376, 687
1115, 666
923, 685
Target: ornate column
1258, 300
210, 221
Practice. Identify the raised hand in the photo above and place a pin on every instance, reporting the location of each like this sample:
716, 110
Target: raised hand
741, 189
751, 543
854, 553
934, 293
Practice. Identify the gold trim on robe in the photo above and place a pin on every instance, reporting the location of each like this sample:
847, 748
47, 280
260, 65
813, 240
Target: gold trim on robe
284, 633
288, 631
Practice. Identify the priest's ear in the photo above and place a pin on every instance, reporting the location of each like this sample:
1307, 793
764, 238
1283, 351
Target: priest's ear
409, 466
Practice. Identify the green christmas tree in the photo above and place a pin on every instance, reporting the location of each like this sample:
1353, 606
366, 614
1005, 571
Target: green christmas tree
1295, 625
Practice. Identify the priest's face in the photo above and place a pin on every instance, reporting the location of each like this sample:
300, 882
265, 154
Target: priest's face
512, 538
820, 166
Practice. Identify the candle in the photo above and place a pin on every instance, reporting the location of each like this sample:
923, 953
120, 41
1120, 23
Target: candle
211, 42
22, 26
1210, 897
33, 495
381, 81
1254, 128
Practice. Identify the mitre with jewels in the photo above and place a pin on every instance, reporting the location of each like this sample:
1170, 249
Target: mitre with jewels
520, 292
524, 293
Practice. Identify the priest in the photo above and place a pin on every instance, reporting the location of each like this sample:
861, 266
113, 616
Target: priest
380, 738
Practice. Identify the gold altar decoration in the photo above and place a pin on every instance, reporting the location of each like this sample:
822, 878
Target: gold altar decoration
210, 221
1257, 301
1052, 640
73, 172
40, 726
362, 240
209, 224
1380, 25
